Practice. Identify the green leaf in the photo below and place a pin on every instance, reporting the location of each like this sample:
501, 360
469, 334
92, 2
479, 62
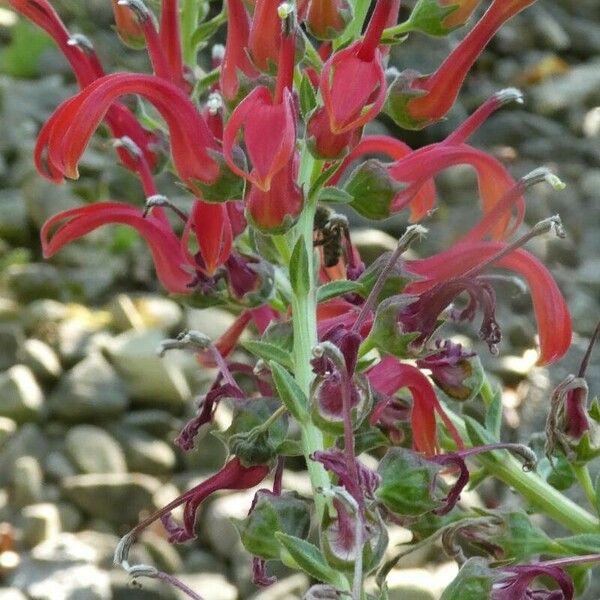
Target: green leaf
22, 57
558, 473
308, 98
206, 30
597, 488
428, 16
334, 195
369, 439
269, 352
493, 413
473, 582
584, 543
288, 513
290, 448
310, 559
372, 190
289, 392
333, 289
386, 333
324, 177
299, 269
521, 539
480, 436
407, 482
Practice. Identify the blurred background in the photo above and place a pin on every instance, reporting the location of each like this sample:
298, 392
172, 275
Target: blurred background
88, 413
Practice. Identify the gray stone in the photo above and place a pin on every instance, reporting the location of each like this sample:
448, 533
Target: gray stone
35, 280
580, 85
11, 337
13, 218
588, 273
90, 390
22, 397
124, 313
144, 453
9, 309
41, 359
57, 466
201, 561
217, 526
152, 381
159, 423
29, 440
210, 321
164, 555
80, 582
7, 429
42, 312
11, 594
590, 183
123, 588
210, 586
94, 450
27, 481
289, 588
70, 517
76, 340
64, 549
159, 313
118, 498
40, 523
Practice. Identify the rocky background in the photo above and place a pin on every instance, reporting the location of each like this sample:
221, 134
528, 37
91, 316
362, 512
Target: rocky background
88, 413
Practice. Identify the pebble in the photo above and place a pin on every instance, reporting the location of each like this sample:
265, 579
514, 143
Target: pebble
144, 453
210, 586
77, 582
40, 523
57, 466
35, 280
14, 227
163, 554
27, 481
159, 423
90, 390
11, 338
152, 381
7, 429
94, 450
159, 313
11, 594
42, 312
118, 498
29, 440
22, 397
290, 588
41, 359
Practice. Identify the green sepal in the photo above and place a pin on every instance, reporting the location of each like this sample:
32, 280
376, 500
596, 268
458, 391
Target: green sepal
334, 195
493, 410
473, 582
288, 513
299, 553
289, 391
386, 334
558, 472
400, 93
228, 185
372, 190
368, 438
520, 538
407, 481
246, 438
428, 16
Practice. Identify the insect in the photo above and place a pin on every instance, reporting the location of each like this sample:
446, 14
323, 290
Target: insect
331, 230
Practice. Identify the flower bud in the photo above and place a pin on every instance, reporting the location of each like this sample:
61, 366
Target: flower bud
128, 26
327, 19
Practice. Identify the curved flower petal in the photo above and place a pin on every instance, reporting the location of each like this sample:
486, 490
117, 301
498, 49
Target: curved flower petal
69, 129
551, 311
389, 376
170, 262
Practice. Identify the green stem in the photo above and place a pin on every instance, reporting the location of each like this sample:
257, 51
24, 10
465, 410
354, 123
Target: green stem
583, 476
391, 33
304, 323
354, 29
190, 9
487, 392
534, 489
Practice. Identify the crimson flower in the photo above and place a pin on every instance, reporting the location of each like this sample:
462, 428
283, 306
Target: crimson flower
235, 59
388, 377
417, 101
327, 19
68, 131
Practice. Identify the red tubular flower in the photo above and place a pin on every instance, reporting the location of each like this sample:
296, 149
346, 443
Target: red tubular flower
172, 267
276, 211
68, 131
268, 122
128, 27
170, 39
87, 68
265, 35
233, 476
327, 19
552, 313
387, 378
417, 101
235, 60
352, 82
212, 228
